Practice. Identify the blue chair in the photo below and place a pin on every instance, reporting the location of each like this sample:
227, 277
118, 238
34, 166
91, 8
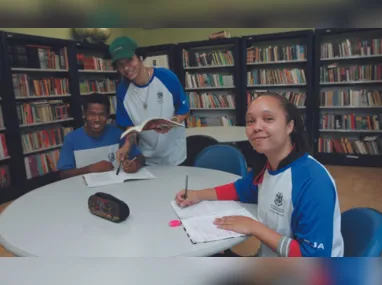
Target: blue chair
222, 157
362, 232
195, 144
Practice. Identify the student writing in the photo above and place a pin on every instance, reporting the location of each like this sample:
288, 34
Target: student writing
93, 147
298, 209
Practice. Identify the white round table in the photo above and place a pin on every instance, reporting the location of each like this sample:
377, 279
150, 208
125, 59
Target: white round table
54, 220
221, 134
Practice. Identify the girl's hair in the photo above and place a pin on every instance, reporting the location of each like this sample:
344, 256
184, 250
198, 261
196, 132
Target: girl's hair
298, 135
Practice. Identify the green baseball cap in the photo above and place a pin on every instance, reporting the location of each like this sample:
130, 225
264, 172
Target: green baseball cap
121, 48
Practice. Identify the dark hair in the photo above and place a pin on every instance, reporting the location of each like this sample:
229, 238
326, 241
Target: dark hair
96, 99
298, 136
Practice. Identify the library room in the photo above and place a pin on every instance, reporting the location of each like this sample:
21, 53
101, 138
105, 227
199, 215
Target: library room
205, 142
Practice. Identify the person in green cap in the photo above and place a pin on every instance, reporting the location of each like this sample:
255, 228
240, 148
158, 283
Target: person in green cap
147, 92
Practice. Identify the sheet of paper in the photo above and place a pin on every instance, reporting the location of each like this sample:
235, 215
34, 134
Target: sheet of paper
110, 177
201, 229
205, 208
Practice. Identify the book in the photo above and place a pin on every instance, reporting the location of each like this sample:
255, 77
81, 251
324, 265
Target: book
197, 220
110, 177
152, 124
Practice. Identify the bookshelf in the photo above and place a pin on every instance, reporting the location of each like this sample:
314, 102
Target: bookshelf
95, 74
348, 84
283, 63
210, 73
160, 56
37, 90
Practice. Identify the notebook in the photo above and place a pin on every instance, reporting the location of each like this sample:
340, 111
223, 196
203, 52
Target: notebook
110, 177
197, 220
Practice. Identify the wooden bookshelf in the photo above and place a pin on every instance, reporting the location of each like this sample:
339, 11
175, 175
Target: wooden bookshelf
209, 71
160, 56
348, 106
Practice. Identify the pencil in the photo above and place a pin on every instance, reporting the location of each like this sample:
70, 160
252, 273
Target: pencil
185, 193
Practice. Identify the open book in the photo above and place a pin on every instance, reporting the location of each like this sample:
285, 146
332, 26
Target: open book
198, 219
152, 124
110, 177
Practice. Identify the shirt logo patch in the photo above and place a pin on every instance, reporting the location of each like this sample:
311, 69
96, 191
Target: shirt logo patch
160, 97
111, 157
279, 199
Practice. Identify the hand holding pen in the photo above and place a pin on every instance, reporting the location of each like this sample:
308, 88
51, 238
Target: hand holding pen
129, 166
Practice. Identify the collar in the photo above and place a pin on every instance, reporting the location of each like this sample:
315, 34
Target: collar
291, 157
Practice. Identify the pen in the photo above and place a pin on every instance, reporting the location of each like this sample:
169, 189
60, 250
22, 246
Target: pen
127, 164
119, 167
185, 193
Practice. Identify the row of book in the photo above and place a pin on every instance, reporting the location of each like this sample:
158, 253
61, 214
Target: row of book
195, 121
3, 146
200, 80
97, 85
349, 48
42, 163
36, 56
276, 53
93, 63
25, 85
296, 98
349, 122
5, 178
351, 98
210, 100
207, 58
335, 73
42, 111
42, 139
348, 145
276, 76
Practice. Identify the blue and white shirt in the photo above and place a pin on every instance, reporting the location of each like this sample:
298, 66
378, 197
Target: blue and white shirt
164, 97
80, 150
299, 201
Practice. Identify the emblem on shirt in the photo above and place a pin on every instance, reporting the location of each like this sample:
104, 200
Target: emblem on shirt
160, 97
111, 157
279, 199
278, 208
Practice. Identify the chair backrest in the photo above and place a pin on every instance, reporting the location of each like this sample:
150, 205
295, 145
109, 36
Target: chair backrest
222, 157
362, 232
195, 144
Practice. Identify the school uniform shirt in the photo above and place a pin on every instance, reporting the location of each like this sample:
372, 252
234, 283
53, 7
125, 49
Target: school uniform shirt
80, 150
299, 201
165, 98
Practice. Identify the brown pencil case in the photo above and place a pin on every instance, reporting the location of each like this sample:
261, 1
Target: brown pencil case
108, 207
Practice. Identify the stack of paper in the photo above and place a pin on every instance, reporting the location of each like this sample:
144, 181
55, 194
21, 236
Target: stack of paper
198, 219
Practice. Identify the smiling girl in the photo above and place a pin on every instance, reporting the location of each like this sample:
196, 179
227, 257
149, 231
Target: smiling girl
298, 209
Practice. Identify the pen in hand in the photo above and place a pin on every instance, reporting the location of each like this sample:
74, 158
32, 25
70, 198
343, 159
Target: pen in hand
119, 167
127, 164
185, 190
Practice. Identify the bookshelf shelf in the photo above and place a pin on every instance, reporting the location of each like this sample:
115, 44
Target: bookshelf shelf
349, 159
38, 69
349, 131
42, 97
349, 107
352, 57
275, 85
103, 93
3, 129
277, 62
46, 123
210, 88
352, 82
96, 71
208, 67
4, 158
42, 149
